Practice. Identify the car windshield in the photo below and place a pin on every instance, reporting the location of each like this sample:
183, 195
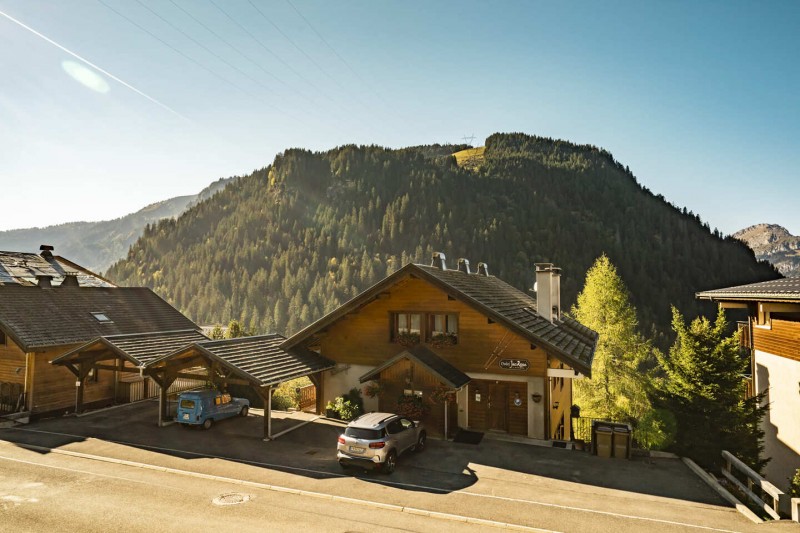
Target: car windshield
363, 433
187, 404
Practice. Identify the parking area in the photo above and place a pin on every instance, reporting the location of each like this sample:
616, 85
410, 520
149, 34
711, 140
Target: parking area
452, 475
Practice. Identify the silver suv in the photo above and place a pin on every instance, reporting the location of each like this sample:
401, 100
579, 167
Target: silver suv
375, 440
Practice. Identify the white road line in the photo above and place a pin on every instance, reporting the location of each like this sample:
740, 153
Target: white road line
23, 461
399, 484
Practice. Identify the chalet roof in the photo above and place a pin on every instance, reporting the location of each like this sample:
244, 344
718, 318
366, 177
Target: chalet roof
38, 318
21, 268
138, 348
260, 359
566, 339
779, 290
446, 372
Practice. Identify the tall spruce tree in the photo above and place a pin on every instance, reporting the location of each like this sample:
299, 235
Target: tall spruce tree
617, 389
703, 387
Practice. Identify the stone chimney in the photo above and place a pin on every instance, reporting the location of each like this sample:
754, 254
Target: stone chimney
548, 291
439, 261
483, 269
44, 281
47, 251
463, 265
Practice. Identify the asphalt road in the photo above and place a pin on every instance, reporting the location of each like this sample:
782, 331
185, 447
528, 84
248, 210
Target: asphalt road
511, 483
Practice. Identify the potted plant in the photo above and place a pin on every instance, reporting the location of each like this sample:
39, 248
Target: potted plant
442, 393
373, 389
407, 339
443, 340
412, 407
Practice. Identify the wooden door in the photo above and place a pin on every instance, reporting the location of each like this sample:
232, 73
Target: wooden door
497, 407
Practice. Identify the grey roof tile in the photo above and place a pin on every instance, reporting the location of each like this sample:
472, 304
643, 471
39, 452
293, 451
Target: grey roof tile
786, 289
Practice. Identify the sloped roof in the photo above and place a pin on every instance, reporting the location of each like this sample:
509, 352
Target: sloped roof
781, 290
446, 372
259, 359
138, 348
566, 339
21, 268
40, 318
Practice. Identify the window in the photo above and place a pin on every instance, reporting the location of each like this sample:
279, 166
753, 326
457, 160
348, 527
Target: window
406, 327
442, 329
363, 433
394, 427
101, 317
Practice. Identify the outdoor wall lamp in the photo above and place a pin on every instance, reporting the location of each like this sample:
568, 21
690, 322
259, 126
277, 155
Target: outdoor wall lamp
536, 397
555, 405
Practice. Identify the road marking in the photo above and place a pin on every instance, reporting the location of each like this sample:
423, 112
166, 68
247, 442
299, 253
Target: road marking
264, 486
397, 484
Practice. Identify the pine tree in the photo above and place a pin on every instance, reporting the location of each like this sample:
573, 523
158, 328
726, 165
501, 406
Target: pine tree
703, 387
617, 389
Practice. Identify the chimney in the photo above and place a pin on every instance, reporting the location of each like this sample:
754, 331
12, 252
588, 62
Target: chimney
70, 280
544, 290
555, 292
439, 261
44, 281
47, 251
463, 265
483, 269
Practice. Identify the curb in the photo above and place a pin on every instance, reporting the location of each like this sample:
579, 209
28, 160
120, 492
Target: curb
714, 484
289, 490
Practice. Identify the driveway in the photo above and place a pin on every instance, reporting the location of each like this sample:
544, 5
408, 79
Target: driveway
507, 481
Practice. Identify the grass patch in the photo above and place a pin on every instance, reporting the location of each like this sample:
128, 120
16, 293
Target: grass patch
471, 157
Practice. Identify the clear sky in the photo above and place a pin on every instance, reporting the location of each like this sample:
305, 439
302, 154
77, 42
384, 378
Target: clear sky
698, 98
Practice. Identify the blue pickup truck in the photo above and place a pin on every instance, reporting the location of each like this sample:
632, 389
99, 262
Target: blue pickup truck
204, 407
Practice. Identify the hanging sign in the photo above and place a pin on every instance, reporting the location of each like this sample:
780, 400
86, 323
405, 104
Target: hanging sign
515, 364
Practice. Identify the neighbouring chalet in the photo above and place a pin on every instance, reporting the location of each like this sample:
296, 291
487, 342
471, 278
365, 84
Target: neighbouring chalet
483, 354
772, 336
28, 269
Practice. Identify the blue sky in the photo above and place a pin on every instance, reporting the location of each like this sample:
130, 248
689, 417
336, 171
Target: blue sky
699, 99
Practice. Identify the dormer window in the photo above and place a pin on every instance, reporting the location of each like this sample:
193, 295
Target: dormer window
101, 317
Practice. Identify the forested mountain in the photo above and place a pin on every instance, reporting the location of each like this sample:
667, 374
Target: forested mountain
96, 245
281, 247
775, 244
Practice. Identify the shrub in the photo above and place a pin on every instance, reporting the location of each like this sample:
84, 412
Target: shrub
285, 395
794, 485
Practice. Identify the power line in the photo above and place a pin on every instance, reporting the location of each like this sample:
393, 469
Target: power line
344, 62
97, 68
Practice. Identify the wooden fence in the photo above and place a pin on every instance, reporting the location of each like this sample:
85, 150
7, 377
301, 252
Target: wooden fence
756, 488
12, 397
307, 398
134, 391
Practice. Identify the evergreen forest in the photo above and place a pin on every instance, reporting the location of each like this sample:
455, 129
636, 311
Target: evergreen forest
283, 246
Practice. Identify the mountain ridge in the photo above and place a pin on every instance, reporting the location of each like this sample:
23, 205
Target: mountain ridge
96, 245
292, 241
773, 243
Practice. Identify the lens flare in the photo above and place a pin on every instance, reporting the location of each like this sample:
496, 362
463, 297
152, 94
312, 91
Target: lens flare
85, 76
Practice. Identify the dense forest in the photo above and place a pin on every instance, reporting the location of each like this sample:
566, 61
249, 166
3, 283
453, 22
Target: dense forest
289, 243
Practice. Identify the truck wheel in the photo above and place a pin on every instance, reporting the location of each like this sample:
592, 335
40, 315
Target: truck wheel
207, 423
244, 411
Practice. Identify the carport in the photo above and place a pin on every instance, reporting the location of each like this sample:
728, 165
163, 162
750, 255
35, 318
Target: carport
255, 361
258, 362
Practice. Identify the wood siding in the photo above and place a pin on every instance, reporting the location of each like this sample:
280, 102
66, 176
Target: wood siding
363, 337
405, 375
782, 339
12, 358
54, 386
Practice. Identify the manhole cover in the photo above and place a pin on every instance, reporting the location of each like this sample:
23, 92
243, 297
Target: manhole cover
232, 498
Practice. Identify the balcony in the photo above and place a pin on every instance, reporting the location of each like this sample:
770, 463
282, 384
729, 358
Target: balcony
745, 336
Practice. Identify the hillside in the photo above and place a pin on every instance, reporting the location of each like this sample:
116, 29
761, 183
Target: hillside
775, 244
96, 245
290, 242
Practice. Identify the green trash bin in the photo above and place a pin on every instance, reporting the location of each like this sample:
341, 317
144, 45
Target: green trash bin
622, 443
603, 438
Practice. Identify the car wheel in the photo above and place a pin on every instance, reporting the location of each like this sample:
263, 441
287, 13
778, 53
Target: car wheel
244, 411
420, 446
207, 423
391, 462
342, 465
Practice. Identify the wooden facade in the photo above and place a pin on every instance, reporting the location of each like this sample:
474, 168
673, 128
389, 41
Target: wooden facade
497, 398
781, 338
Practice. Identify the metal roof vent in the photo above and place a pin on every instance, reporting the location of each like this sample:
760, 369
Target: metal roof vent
44, 281
483, 269
47, 251
463, 265
439, 261
70, 280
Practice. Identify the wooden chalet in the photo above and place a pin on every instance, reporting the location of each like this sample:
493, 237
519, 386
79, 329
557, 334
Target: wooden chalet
479, 353
771, 336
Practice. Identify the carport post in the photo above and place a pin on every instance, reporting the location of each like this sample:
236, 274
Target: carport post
165, 384
268, 414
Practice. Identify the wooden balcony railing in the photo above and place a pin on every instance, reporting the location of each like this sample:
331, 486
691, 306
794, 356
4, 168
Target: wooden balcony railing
745, 339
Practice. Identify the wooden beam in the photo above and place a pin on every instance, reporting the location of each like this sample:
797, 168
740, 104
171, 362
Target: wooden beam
267, 396
117, 368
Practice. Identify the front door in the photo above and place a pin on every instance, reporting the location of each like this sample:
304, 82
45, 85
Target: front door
496, 407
